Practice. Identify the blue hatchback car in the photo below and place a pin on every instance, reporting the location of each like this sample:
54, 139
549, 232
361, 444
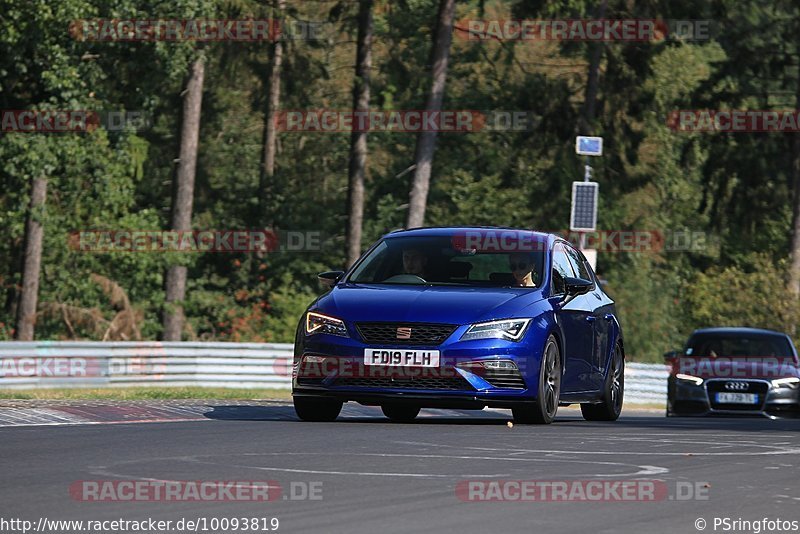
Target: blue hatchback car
462, 318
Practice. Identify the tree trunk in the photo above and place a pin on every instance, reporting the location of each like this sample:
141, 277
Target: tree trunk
34, 232
270, 132
426, 141
590, 98
358, 139
175, 284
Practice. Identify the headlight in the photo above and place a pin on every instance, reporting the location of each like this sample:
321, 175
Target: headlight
696, 380
510, 329
316, 323
791, 382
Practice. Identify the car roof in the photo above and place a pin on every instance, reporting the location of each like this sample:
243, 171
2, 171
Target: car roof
444, 231
740, 330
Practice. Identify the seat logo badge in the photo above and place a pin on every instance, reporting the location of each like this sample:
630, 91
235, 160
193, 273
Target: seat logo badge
404, 332
737, 386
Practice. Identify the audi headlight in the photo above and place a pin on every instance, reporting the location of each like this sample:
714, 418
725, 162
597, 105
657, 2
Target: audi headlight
316, 323
696, 380
790, 382
510, 329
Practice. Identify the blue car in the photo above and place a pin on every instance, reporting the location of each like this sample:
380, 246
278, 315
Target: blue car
462, 318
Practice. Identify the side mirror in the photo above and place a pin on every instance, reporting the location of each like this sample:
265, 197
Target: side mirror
577, 286
671, 355
329, 278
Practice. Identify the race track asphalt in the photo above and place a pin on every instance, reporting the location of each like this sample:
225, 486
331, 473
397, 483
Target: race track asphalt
372, 476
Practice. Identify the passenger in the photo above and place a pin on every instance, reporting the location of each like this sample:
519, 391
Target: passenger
522, 268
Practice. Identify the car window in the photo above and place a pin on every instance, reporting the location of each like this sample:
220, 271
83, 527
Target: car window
738, 346
561, 269
578, 265
447, 260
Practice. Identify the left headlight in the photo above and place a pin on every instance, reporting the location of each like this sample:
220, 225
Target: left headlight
317, 323
790, 382
510, 329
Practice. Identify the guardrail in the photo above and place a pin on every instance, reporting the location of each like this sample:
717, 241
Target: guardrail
43, 364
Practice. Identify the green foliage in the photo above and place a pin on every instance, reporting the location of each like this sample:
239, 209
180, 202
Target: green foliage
751, 295
735, 188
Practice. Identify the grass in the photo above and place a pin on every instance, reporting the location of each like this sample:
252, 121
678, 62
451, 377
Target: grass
144, 393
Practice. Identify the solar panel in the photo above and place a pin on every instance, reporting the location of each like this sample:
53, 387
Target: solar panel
583, 214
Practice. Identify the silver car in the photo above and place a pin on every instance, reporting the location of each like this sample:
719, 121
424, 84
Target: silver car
734, 371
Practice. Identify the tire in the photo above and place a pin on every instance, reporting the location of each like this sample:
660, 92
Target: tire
400, 413
317, 410
543, 410
613, 393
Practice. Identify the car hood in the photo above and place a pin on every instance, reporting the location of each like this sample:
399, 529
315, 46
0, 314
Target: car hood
426, 304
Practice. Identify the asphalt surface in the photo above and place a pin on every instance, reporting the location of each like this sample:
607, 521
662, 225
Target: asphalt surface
374, 476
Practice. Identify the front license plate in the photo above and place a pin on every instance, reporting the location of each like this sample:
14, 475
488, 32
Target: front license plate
737, 398
402, 357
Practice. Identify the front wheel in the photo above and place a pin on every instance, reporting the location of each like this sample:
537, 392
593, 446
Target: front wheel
317, 410
400, 413
611, 404
543, 409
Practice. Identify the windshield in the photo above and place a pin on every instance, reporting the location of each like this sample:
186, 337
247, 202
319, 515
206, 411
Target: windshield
442, 260
738, 346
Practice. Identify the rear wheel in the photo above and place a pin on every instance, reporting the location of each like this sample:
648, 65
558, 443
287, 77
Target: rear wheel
400, 413
611, 405
317, 410
543, 409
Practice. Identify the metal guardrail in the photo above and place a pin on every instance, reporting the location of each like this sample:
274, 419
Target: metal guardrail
95, 364
43, 364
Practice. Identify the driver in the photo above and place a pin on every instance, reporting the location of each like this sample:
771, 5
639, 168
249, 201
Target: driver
521, 265
415, 262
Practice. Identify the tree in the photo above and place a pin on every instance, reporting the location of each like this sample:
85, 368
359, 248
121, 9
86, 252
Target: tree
175, 282
426, 141
34, 231
358, 140
267, 172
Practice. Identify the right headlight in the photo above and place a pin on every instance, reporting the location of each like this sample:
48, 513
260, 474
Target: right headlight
696, 380
317, 323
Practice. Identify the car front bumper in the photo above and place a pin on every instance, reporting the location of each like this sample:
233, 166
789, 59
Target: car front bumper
455, 383
687, 399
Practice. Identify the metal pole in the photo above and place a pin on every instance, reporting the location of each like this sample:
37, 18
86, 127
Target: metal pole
587, 175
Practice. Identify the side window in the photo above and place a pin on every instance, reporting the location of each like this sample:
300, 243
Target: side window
561, 269
578, 265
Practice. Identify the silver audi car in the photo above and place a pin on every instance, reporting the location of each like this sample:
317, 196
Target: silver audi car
734, 371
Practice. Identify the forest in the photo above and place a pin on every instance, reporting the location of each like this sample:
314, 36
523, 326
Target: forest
191, 134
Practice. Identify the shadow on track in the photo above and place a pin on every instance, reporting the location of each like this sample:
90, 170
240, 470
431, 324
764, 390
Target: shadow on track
251, 413
366, 415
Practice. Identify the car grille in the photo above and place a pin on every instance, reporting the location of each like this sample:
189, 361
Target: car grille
449, 383
504, 379
753, 386
420, 333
